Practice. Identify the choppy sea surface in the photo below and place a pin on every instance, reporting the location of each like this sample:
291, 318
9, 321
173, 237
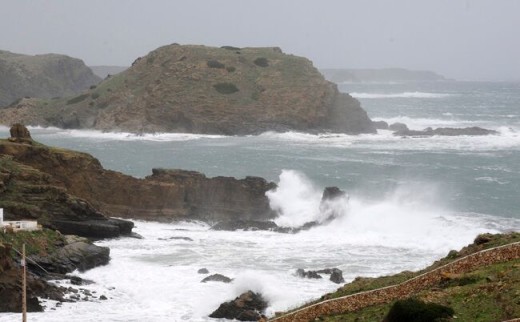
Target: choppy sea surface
411, 201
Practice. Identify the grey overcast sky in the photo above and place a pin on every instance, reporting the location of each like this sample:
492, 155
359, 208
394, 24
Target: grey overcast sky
462, 39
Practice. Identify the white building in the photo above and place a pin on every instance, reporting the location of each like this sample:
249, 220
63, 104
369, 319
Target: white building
16, 225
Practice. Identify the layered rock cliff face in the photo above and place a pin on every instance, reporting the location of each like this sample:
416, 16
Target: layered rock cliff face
202, 89
43, 76
60, 187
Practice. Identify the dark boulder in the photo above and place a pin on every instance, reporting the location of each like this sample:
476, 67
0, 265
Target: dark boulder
249, 306
19, 133
217, 278
77, 254
398, 127
332, 193
300, 272
380, 125
95, 228
203, 271
336, 276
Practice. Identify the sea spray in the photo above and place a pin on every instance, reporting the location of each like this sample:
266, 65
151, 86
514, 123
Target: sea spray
295, 199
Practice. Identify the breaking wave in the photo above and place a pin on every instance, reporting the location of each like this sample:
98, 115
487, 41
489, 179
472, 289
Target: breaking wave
400, 95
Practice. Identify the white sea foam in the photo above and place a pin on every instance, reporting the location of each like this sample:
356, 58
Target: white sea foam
156, 279
119, 136
400, 95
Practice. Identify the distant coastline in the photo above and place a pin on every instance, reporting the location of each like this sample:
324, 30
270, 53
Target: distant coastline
385, 75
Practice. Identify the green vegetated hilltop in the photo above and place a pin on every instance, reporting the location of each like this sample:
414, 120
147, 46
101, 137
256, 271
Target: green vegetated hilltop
42, 76
340, 75
199, 89
489, 292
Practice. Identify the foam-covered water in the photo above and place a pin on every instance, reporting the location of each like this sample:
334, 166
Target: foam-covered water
156, 279
410, 201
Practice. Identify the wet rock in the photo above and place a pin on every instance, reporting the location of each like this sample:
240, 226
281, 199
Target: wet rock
336, 276
447, 131
380, 125
330, 193
239, 224
217, 278
300, 272
77, 255
102, 297
249, 306
203, 271
176, 238
398, 127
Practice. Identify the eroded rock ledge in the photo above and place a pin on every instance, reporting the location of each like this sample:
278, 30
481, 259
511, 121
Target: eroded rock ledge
71, 191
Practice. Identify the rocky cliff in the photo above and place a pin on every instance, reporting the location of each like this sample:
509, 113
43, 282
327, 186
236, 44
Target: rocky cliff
203, 89
43, 76
71, 190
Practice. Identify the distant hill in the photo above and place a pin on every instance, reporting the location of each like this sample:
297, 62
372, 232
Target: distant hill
379, 75
42, 76
200, 89
104, 71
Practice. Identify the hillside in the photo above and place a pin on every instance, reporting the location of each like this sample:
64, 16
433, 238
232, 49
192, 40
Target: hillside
480, 283
43, 76
383, 75
201, 89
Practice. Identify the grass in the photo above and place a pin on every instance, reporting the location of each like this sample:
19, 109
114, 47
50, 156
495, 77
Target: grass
42, 242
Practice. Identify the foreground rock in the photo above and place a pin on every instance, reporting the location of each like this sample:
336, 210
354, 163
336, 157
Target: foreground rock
43, 76
446, 131
71, 191
217, 278
249, 306
77, 254
50, 255
202, 89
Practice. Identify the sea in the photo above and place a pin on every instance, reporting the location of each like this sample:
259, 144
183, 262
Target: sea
410, 201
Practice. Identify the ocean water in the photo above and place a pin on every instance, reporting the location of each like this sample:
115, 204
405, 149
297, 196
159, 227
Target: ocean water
411, 200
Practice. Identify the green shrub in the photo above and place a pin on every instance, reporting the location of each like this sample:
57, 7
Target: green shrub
225, 88
414, 310
262, 62
230, 48
215, 64
230, 69
77, 99
93, 87
94, 95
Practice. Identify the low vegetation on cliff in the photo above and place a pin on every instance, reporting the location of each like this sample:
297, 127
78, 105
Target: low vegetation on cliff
201, 89
42, 76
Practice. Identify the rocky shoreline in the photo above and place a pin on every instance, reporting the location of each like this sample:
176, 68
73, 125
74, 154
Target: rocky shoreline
51, 257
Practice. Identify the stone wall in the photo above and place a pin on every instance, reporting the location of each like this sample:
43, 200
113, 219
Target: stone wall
357, 301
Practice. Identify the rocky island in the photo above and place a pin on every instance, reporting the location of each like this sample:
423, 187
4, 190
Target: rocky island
199, 89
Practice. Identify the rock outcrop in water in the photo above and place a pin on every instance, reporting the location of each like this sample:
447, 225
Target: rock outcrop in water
42, 76
71, 191
201, 89
249, 306
446, 131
